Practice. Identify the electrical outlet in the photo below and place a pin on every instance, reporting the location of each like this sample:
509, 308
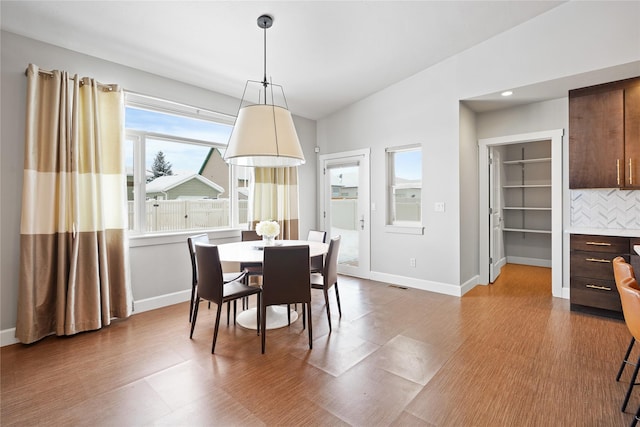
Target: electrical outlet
438, 207
412, 262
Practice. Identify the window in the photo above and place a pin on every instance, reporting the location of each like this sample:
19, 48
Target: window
177, 178
404, 165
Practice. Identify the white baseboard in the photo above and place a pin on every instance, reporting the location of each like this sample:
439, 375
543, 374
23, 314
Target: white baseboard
470, 284
535, 262
425, 285
502, 262
140, 306
7, 336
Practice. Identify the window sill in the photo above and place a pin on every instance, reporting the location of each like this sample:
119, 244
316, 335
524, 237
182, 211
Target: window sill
216, 236
404, 229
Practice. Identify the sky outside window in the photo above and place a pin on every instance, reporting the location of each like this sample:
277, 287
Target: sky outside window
184, 158
408, 165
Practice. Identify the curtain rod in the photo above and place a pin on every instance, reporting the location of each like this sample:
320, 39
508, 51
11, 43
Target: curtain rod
103, 86
45, 72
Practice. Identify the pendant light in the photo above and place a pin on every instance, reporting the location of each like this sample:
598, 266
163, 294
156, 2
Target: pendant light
264, 134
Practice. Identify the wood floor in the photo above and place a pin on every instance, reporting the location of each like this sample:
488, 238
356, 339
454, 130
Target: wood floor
503, 355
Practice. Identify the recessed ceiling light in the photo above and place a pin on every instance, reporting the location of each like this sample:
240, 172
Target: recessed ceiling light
507, 93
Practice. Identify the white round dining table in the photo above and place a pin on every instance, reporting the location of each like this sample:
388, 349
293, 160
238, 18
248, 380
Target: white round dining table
252, 251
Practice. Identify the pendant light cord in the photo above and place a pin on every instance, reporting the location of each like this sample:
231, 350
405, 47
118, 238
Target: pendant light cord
264, 81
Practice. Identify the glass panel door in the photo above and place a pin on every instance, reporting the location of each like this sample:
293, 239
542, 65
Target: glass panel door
345, 210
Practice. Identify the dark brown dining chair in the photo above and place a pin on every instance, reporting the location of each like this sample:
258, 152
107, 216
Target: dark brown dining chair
329, 276
286, 280
251, 268
630, 299
211, 287
227, 277
191, 242
317, 262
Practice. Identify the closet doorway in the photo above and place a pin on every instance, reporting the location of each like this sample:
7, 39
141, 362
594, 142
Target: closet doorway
520, 191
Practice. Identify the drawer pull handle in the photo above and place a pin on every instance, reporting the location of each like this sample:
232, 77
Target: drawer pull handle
598, 260
598, 244
602, 288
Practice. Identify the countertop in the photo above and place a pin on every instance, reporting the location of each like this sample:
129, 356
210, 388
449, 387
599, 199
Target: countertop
622, 232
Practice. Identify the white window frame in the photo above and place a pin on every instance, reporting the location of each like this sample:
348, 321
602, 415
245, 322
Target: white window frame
138, 138
392, 225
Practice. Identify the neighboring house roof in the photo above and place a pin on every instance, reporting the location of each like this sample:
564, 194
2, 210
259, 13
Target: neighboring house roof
129, 172
206, 160
167, 182
400, 180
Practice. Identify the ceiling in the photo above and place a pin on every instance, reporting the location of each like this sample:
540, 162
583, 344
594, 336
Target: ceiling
326, 54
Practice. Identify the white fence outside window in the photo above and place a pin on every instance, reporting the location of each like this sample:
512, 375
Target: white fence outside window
176, 215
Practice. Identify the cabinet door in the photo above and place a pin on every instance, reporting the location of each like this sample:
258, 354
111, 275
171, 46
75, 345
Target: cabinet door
596, 140
632, 137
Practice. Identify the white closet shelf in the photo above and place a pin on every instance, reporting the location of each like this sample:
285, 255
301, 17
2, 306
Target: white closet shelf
528, 186
526, 208
527, 230
521, 162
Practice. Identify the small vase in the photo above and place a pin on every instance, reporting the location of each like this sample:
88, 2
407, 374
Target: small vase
268, 240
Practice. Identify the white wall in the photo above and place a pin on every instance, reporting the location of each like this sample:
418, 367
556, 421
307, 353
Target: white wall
572, 39
159, 267
535, 117
469, 215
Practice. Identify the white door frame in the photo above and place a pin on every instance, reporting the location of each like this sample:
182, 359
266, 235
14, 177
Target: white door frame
556, 200
364, 268
496, 245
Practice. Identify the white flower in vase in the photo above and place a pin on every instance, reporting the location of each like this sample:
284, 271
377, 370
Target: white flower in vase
268, 230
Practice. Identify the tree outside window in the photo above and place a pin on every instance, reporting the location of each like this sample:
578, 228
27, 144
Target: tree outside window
160, 167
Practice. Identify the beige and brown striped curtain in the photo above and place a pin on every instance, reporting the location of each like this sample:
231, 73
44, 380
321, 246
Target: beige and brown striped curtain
274, 196
74, 274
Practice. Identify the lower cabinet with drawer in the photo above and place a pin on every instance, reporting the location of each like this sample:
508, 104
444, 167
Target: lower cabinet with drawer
635, 256
593, 287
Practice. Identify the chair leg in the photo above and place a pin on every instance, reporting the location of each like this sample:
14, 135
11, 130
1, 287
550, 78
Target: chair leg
263, 325
338, 298
289, 314
304, 317
228, 311
193, 297
215, 330
636, 418
193, 319
310, 326
625, 361
235, 311
632, 383
326, 303
258, 310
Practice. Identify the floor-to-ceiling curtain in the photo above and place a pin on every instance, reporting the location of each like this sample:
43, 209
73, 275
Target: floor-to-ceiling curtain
274, 196
74, 273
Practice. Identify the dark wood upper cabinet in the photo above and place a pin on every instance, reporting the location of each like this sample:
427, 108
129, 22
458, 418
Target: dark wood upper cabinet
604, 136
632, 137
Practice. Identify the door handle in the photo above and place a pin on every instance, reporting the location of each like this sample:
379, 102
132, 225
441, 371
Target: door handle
598, 260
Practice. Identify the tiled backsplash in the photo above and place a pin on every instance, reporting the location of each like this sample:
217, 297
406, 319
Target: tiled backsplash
605, 208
